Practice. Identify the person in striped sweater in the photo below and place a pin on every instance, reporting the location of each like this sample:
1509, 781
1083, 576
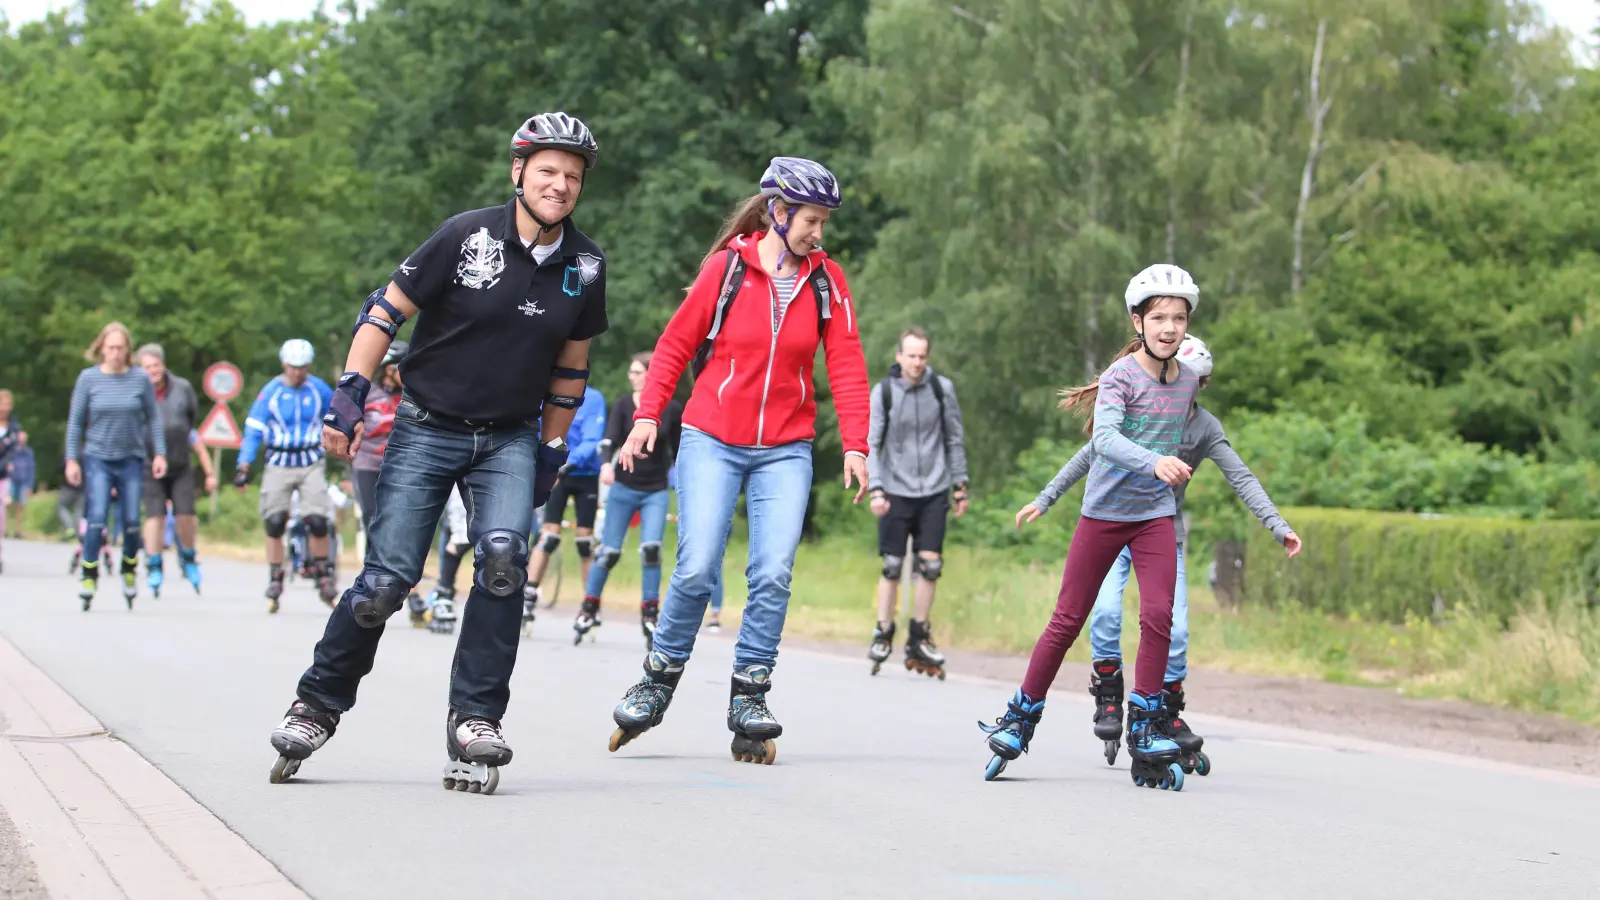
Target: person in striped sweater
1140, 407
113, 411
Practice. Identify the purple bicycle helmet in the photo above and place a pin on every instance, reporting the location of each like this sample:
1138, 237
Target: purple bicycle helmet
800, 182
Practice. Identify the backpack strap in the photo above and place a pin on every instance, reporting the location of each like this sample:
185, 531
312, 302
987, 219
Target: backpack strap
732, 279
885, 400
822, 290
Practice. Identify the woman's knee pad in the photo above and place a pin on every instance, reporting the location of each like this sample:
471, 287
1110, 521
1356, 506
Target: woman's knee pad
650, 553
607, 557
500, 563
549, 542
928, 569
585, 545
317, 526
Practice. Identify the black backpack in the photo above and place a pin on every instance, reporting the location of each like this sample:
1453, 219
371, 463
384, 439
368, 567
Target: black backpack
732, 279
886, 400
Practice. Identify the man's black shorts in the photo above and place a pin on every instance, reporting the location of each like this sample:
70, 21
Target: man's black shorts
178, 487
584, 491
920, 518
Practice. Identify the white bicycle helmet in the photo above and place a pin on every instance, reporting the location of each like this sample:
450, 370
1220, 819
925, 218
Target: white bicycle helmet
1162, 280
297, 352
1194, 354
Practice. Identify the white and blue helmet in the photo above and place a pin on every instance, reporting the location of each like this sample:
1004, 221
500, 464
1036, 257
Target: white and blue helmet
297, 352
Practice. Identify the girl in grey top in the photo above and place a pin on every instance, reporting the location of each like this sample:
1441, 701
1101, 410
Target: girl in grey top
113, 410
1203, 438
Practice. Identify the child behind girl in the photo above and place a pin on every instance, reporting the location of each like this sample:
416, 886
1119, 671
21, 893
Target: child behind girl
1140, 404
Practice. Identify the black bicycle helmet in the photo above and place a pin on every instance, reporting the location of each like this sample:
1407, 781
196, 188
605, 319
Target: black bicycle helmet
555, 131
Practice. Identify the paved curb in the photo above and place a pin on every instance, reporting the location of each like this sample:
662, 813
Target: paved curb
100, 821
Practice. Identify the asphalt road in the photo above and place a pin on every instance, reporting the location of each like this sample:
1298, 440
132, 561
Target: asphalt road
877, 791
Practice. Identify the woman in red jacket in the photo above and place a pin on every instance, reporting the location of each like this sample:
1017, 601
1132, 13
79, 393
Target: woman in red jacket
765, 299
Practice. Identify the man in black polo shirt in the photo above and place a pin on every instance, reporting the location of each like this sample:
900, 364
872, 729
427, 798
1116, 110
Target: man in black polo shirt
507, 299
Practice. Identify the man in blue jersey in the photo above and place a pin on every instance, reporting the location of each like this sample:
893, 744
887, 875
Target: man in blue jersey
287, 419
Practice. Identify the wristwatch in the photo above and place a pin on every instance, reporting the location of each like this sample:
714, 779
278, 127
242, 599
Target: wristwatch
559, 443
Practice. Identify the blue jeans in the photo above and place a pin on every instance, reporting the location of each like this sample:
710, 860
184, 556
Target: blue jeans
99, 475
1105, 622
621, 503
422, 463
777, 486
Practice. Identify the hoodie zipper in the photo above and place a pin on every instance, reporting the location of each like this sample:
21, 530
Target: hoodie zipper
772, 349
724, 385
802, 390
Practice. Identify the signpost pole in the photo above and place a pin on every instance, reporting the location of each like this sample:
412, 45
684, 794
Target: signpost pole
216, 466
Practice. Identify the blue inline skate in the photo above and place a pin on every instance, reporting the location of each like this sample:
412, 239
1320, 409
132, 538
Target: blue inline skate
191, 568
154, 575
1155, 755
1010, 734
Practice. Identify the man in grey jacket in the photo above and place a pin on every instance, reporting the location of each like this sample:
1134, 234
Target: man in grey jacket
918, 456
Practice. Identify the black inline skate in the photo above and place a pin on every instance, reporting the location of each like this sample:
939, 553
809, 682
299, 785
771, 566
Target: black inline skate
882, 645
1193, 759
755, 729
645, 704
588, 619
649, 614
1106, 686
477, 749
327, 581
305, 728
921, 654
274, 586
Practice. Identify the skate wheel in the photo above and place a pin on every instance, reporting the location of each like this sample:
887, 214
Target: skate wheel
941, 674
1202, 764
449, 784
577, 638
493, 782
1111, 752
995, 767
461, 785
1137, 781
619, 738
474, 788
1174, 779
876, 666
284, 769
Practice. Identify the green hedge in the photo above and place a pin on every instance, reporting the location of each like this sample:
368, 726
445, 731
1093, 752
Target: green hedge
1399, 566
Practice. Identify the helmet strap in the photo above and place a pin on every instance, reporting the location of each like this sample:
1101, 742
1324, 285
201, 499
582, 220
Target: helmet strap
782, 230
1162, 359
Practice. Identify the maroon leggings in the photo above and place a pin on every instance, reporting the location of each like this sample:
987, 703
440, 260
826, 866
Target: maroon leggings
1095, 545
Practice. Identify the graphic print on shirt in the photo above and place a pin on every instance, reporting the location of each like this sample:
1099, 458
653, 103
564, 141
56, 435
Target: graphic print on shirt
531, 308
588, 267
482, 260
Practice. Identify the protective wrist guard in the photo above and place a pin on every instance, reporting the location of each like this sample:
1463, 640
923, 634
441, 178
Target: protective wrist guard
547, 468
241, 477
349, 400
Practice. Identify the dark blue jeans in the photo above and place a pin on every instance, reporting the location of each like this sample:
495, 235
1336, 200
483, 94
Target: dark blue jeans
422, 463
99, 475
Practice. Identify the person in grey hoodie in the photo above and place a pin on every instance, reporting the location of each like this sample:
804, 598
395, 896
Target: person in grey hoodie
1203, 438
918, 456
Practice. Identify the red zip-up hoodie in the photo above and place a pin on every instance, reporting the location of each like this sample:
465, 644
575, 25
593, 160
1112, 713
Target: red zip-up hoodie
756, 390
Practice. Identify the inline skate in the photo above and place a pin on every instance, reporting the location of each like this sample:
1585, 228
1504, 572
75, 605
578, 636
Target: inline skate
304, 730
477, 749
882, 645
442, 610
1012, 732
1106, 686
1155, 756
1193, 760
755, 729
587, 620
645, 704
921, 654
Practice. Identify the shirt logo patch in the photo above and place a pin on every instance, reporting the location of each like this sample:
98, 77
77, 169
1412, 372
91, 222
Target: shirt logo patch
588, 267
482, 260
530, 308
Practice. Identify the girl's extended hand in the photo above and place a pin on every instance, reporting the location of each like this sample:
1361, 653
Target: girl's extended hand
1028, 514
1293, 544
641, 442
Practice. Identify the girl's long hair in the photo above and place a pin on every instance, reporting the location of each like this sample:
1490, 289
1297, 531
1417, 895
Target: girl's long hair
1082, 399
93, 354
748, 216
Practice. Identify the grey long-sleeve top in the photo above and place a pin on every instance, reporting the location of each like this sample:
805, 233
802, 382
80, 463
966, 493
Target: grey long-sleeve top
918, 454
112, 414
1203, 438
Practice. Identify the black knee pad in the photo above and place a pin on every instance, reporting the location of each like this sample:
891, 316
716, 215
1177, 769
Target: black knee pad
607, 557
650, 553
275, 524
892, 566
501, 563
928, 569
585, 545
317, 526
376, 596
549, 542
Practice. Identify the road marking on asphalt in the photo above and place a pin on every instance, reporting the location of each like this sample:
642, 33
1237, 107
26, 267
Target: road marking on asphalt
100, 820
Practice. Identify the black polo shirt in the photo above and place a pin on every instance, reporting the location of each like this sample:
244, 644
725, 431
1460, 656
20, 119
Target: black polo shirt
492, 322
